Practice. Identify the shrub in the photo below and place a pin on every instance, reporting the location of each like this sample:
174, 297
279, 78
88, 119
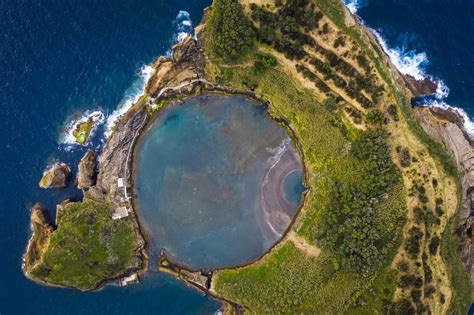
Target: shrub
375, 117
330, 103
434, 244
413, 242
405, 157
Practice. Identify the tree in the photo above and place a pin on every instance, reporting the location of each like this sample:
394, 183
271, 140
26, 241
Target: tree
232, 33
375, 117
330, 103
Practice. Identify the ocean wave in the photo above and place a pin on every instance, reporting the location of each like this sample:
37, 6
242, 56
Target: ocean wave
354, 5
132, 95
442, 90
67, 139
407, 62
183, 26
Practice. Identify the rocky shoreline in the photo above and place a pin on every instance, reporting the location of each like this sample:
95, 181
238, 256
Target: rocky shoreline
183, 74
446, 126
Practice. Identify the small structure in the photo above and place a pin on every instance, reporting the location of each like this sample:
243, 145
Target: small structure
120, 183
132, 279
120, 213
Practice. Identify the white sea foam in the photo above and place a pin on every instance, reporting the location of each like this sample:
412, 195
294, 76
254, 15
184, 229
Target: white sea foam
132, 95
68, 140
407, 62
412, 63
354, 5
467, 123
183, 25
442, 90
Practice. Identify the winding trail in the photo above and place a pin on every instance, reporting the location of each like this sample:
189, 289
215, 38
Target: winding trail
303, 245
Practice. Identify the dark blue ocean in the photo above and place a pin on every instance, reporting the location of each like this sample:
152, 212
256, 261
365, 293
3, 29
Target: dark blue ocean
58, 59
428, 38
61, 58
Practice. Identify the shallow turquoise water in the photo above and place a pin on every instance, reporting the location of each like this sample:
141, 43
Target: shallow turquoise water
293, 187
200, 173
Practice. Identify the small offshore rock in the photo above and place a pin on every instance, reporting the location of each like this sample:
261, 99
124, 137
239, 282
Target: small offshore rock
55, 177
86, 174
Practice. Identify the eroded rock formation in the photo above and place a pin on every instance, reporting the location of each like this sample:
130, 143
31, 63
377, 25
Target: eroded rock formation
86, 173
41, 231
55, 177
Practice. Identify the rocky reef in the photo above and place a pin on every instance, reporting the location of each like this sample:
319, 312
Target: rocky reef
55, 176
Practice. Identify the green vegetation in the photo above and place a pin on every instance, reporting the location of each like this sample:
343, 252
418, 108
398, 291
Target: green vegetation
356, 208
322, 284
460, 284
83, 130
87, 248
231, 31
375, 117
351, 225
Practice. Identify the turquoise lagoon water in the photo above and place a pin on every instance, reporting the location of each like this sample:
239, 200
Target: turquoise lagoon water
209, 182
293, 186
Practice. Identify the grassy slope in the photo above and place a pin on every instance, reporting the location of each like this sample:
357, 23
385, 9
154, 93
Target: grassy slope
87, 248
313, 283
462, 292
286, 279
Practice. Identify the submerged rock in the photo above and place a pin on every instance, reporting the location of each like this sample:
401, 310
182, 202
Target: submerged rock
55, 177
86, 173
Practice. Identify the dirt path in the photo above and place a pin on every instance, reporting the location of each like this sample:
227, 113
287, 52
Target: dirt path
303, 245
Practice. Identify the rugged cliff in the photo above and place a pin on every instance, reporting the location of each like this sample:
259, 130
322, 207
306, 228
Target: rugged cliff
446, 126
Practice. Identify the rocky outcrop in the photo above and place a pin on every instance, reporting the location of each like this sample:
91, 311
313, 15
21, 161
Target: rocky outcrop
41, 231
86, 173
115, 160
197, 278
186, 63
466, 249
420, 87
444, 125
55, 176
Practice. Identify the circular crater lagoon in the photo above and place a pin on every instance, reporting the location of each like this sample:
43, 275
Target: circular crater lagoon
218, 182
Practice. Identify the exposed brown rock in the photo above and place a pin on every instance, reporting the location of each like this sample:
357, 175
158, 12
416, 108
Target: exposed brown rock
86, 174
186, 63
421, 87
55, 177
42, 229
196, 278
466, 249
